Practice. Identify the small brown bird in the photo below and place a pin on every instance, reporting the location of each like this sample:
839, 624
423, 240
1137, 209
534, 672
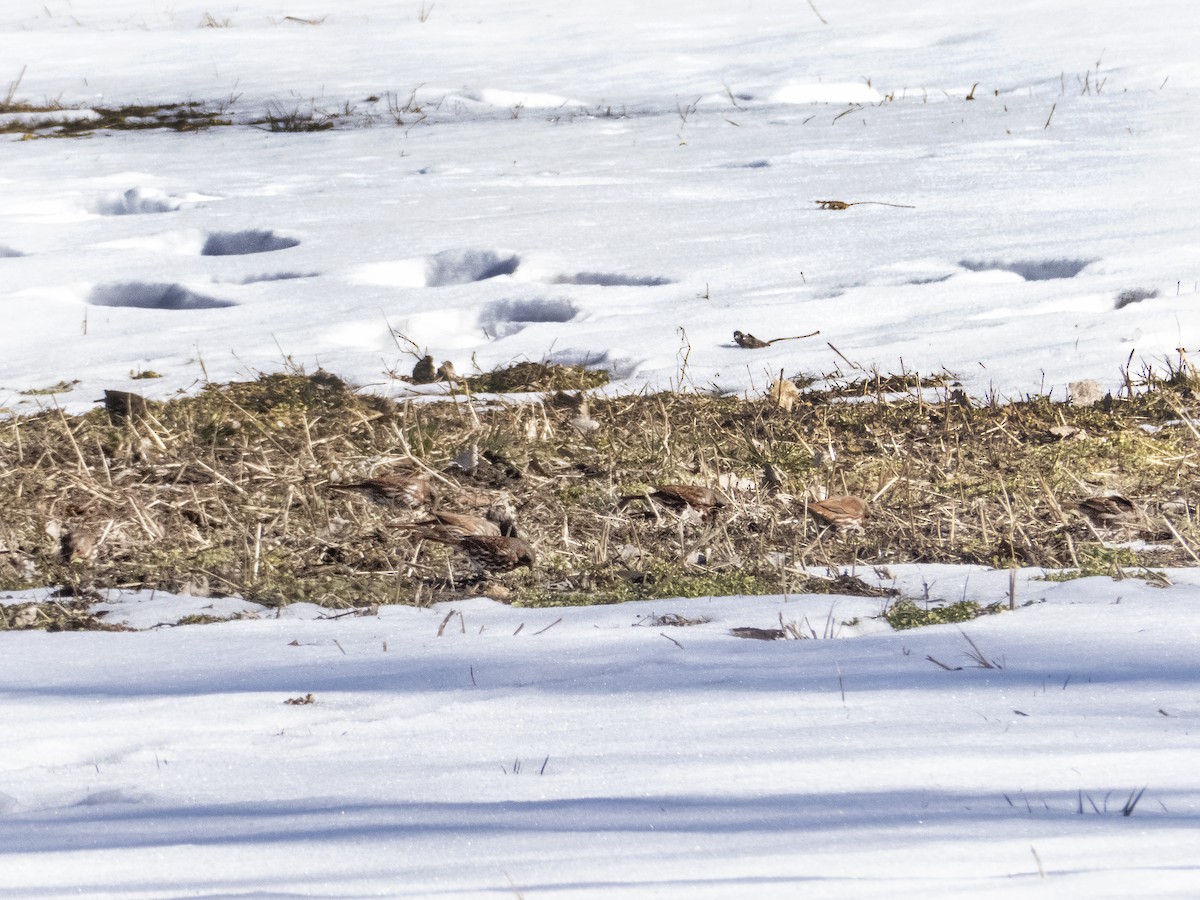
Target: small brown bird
844, 513
123, 407
78, 545
681, 497
1112, 511
411, 491
424, 372
491, 552
454, 525
749, 341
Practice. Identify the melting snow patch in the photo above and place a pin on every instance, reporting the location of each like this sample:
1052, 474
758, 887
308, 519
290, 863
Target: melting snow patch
143, 295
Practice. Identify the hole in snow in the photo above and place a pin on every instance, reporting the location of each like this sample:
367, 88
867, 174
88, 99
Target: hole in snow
1136, 295
611, 279
276, 276
143, 295
242, 243
1031, 269
466, 266
136, 201
505, 317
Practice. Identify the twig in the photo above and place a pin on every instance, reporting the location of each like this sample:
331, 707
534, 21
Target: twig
671, 639
822, 18
852, 365
938, 662
795, 337
548, 627
12, 88
1180, 540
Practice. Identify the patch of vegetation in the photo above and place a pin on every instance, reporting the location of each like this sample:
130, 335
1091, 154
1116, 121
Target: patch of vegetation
61, 387
905, 614
535, 377
201, 619
1099, 559
297, 119
54, 615
54, 120
231, 490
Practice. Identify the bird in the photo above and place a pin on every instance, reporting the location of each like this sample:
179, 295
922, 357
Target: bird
497, 522
125, 408
682, 497
491, 552
446, 372
78, 545
411, 491
844, 513
749, 341
424, 372
1111, 511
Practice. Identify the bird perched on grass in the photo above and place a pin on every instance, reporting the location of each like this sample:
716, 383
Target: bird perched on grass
410, 491
845, 513
682, 497
496, 522
424, 372
1112, 511
490, 552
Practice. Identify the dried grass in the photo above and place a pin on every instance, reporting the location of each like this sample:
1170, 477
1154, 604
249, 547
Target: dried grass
226, 492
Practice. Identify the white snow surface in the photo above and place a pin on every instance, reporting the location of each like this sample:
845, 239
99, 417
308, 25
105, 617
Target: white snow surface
619, 185
587, 753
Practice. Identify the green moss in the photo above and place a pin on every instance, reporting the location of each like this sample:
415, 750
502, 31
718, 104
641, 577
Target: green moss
905, 614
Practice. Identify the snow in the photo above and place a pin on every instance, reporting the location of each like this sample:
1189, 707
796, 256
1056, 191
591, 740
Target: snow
579, 752
619, 186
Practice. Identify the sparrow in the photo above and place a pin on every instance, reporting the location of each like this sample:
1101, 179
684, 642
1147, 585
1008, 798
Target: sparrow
844, 513
1111, 511
411, 491
681, 497
749, 341
424, 372
454, 525
123, 407
491, 552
